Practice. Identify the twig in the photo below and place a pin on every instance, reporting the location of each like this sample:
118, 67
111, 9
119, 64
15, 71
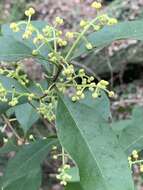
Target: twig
88, 70
49, 125
57, 74
6, 120
128, 101
110, 68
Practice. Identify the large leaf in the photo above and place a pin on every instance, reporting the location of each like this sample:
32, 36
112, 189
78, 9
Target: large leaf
23, 171
89, 140
123, 30
8, 147
131, 137
26, 115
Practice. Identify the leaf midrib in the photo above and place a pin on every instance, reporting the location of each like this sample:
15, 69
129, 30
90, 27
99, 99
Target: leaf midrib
138, 139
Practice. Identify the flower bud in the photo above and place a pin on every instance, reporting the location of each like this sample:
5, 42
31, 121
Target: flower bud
14, 26
112, 21
95, 95
89, 46
83, 23
111, 94
59, 21
35, 52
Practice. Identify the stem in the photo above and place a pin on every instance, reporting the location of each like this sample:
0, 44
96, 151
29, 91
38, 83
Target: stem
63, 156
57, 74
54, 37
79, 38
28, 23
137, 162
55, 48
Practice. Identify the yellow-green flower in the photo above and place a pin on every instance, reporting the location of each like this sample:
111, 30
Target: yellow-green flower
112, 21
96, 5
69, 35
89, 46
83, 23
59, 21
14, 26
30, 12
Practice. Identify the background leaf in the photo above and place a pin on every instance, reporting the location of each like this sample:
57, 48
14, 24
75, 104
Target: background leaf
25, 46
9, 146
101, 162
104, 37
32, 181
131, 137
23, 171
12, 50
26, 115
9, 83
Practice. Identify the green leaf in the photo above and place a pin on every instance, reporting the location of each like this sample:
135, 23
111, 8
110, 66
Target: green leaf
89, 140
104, 37
6, 31
8, 147
32, 181
13, 50
33, 88
17, 37
131, 137
9, 83
3, 107
23, 171
73, 186
102, 111
74, 172
26, 115
118, 126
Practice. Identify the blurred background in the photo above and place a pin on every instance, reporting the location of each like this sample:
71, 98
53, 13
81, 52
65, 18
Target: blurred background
121, 63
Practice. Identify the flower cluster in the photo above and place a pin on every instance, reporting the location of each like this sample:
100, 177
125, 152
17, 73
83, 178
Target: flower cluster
96, 5
53, 33
63, 176
15, 96
3, 93
16, 74
47, 110
68, 77
134, 159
